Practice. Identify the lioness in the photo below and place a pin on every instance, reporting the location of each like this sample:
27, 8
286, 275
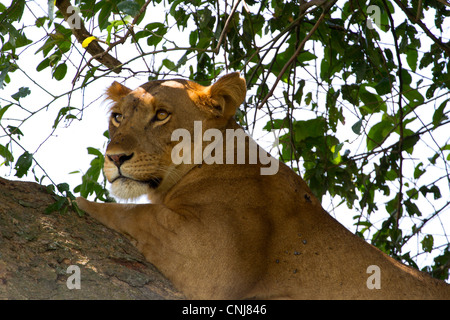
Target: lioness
226, 231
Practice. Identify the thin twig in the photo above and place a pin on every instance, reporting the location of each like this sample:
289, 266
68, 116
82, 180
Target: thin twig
400, 111
297, 52
419, 10
225, 28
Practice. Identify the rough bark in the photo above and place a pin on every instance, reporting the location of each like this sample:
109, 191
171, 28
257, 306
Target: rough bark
37, 248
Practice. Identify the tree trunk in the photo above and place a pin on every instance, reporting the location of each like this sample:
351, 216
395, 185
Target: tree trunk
38, 253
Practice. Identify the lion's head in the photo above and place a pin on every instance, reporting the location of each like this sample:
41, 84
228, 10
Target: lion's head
138, 157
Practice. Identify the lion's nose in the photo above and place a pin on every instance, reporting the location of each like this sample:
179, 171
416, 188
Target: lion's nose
120, 158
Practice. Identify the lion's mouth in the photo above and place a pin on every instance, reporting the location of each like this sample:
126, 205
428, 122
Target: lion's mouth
152, 183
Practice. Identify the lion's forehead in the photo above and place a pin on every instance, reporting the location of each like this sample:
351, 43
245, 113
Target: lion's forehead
169, 92
141, 95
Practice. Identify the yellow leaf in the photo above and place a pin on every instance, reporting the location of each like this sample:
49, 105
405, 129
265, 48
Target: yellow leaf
87, 41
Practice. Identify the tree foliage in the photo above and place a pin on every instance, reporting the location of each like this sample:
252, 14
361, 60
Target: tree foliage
357, 90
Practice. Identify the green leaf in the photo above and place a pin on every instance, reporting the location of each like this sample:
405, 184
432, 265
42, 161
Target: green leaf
427, 243
378, 133
5, 68
6, 154
17, 38
61, 114
308, 98
129, 7
411, 58
89, 74
306, 56
47, 46
89, 183
23, 164
439, 114
357, 127
336, 153
406, 77
15, 131
418, 171
44, 64
391, 175
309, 128
60, 72
59, 205
94, 152
115, 25
155, 32
193, 37
276, 124
362, 223
367, 97
440, 269
434, 190
22, 93
15, 11
412, 209
384, 86
372, 102
62, 187
154, 26
174, 6
413, 95
169, 64
409, 141
4, 109
413, 193
77, 209
104, 14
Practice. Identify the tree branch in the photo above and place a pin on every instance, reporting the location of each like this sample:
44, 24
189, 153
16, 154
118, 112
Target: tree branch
38, 247
80, 32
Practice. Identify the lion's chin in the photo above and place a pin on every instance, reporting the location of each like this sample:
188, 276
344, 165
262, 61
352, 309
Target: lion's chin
129, 189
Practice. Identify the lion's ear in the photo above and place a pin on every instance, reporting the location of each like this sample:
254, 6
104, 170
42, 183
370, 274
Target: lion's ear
117, 91
228, 93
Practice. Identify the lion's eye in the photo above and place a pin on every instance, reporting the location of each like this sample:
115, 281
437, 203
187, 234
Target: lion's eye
161, 115
116, 118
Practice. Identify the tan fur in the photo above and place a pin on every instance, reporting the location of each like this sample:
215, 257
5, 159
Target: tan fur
224, 231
